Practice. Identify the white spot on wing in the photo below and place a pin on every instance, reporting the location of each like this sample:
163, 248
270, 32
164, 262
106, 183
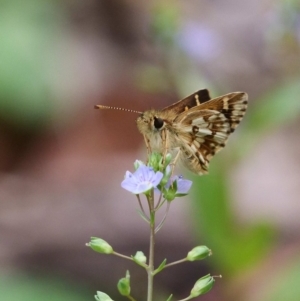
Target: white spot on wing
198, 121
205, 131
225, 103
197, 99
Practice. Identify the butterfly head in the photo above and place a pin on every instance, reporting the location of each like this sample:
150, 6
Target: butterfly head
150, 122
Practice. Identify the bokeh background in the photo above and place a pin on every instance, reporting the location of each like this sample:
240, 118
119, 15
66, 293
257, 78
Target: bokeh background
61, 161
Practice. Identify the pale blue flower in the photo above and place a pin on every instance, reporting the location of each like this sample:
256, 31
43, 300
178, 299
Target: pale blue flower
183, 185
142, 180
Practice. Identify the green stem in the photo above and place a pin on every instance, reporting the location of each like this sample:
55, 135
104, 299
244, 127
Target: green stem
150, 268
186, 299
175, 262
164, 218
131, 298
121, 255
159, 200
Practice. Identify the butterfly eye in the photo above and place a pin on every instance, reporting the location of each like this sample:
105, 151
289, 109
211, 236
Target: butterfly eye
158, 122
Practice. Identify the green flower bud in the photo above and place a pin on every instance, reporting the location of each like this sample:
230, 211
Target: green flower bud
168, 159
99, 245
170, 193
124, 285
164, 162
154, 160
167, 175
140, 258
102, 297
198, 253
202, 286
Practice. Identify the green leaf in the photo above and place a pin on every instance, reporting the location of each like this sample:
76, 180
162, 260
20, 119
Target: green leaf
284, 284
102, 297
277, 107
170, 297
274, 109
161, 267
237, 248
143, 216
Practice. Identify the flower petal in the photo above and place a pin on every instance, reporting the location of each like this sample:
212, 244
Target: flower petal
157, 178
129, 185
143, 173
183, 186
143, 187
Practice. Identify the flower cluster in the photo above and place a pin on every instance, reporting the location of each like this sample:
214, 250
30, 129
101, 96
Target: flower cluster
155, 180
157, 174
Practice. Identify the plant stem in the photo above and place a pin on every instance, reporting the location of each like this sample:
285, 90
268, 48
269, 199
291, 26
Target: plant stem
164, 218
175, 262
121, 255
150, 268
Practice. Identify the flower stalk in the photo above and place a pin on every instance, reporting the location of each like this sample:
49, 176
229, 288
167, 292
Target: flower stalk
150, 269
148, 180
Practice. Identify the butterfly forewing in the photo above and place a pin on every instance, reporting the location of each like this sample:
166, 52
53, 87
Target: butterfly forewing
189, 102
204, 129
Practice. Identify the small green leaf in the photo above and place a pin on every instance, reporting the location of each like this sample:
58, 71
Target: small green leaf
170, 297
143, 216
277, 107
178, 195
161, 267
102, 297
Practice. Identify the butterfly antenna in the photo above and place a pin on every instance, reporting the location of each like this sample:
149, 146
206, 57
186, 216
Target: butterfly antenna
116, 108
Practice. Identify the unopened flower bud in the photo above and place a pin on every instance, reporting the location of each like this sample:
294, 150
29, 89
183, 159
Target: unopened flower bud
154, 160
124, 285
168, 159
202, 286
167, 175
198, 253
140, 258
99, 245
102, 297
164, 161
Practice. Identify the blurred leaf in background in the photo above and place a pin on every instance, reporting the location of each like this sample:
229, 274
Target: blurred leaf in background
238, 246
29, 32
27, 288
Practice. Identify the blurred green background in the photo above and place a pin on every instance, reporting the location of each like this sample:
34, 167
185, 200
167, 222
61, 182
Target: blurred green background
61, 162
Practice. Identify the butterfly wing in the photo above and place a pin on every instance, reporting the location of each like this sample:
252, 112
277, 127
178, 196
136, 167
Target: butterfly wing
189, 102
203, 130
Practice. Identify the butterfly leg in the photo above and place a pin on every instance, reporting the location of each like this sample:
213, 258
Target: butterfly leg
147, 142
164, 138
175, 161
